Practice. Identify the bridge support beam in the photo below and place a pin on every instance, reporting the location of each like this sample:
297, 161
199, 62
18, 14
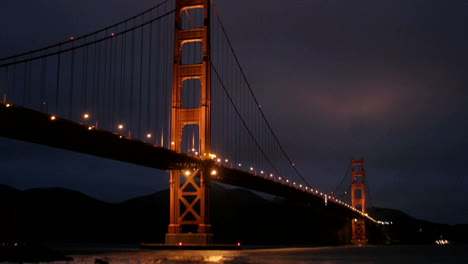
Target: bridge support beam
189, 208
190, 188
358, 200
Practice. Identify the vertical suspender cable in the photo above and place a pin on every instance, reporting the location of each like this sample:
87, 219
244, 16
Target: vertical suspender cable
57, 85
148, 125
5, 91
114, 83
165, 107
132, 70
105, 96
141, 79
23, 97
95, 78
29, 85
110, 85
159, 83
97, 88
14, 82
43, 83
72, 76
84, 77
122, 75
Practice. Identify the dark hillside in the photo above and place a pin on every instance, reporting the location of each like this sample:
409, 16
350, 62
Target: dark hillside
60, 215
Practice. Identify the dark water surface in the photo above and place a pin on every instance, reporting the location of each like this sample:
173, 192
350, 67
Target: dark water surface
401, 254
368, 254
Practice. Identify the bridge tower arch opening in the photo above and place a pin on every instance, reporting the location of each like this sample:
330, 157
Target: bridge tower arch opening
358, 200
189, 221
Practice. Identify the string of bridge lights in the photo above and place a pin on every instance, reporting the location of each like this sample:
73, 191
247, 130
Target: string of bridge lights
279, 179
226, 162
269, 176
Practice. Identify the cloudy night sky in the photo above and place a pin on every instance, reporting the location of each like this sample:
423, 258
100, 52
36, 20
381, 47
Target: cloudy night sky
385, 80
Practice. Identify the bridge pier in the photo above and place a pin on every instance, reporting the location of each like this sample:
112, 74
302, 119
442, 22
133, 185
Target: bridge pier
358, 200
189, 239
189, 207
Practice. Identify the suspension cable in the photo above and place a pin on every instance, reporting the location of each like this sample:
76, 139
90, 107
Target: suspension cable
254, 97
84, 36
243, 121
82, 45
342, 179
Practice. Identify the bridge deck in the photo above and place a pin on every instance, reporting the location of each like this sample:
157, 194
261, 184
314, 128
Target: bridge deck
37, 127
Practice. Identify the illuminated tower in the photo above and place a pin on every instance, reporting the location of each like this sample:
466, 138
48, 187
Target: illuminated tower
358, 200
190, 188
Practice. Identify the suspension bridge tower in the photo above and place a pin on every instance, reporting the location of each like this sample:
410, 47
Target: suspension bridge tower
190, 188
358, 200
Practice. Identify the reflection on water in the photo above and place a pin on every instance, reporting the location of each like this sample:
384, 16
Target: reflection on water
326, 255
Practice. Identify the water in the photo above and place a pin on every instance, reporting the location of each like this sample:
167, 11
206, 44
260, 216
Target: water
300, 255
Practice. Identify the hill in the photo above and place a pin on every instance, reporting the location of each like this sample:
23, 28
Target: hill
406, 229
60, 215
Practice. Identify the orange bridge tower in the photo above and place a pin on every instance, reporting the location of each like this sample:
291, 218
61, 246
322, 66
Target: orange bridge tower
190, 188
358, 200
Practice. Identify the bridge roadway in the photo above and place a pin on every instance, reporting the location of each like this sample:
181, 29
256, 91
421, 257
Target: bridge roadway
24, 124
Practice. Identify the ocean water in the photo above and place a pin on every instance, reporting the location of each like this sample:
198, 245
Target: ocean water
400, 254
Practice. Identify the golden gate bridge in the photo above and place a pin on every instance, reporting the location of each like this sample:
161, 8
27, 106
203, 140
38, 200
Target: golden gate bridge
162, 89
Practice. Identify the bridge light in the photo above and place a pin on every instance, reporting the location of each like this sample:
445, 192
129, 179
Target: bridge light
251, 168
180, 243
72, 38
279, 178
52, 118
8, 105
113, 34
226, 160
187, 173
86, 116
121, 126
148, 135
193, 150
218, 160
196, 152
172, 143
271, 175
90, 128
214, 172
240, 164
238, 244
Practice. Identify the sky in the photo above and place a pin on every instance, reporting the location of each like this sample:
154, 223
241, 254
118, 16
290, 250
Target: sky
381, 80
